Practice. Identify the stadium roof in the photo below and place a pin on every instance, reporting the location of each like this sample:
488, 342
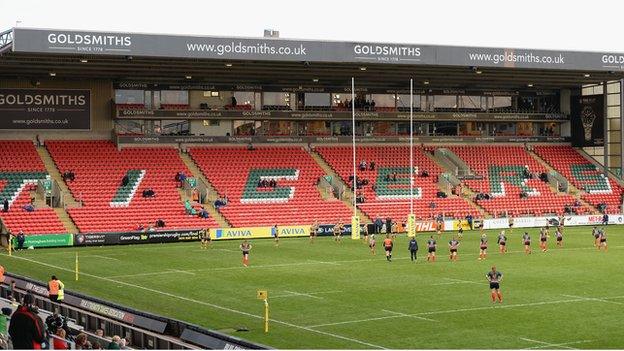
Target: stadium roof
34, 53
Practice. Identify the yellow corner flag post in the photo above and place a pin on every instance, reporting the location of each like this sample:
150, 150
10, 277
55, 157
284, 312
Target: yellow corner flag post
264, 296
411, 225
355, 228
76, 266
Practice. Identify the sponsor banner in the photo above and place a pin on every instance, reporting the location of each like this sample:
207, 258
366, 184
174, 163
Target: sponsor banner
495, 223
455, 225
47, 240
45, 109
168, 236
274, 49
592, 220
332, 115
259, 232
122, 139
98, 307
588, 120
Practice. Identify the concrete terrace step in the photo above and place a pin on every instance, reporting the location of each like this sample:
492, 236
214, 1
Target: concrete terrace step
212, 192
348, 198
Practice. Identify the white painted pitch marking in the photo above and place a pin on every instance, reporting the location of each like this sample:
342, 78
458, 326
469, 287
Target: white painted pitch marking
470, 309
303, 294
337, 336
547, 344
310, 293
181, 271
407, 315
559, 344
593, 299
456, 281
102, 257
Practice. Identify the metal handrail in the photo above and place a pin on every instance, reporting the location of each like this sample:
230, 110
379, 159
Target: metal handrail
6, 38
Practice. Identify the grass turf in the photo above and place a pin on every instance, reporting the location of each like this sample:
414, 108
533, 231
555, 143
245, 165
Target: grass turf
328, 295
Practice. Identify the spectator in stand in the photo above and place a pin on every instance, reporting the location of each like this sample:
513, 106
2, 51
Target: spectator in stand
150, 229
363, 165
96, 346
55, 321
4, 320
125, 180
372, 165
115, 343
29, 208
82, 343
220, 202
59, 342
160, 223
5, 205
203, 213
424, 173
233, 101
189, 208
149, 192
272, 183
250, 147
99, 333
140, 227
26, 328
21, 239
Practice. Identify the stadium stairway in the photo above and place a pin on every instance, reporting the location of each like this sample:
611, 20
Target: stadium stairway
68, 199
212, 193
574, 191
348, 199
467, 193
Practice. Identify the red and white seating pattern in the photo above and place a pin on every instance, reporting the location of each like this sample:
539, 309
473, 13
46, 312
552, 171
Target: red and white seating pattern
99, 168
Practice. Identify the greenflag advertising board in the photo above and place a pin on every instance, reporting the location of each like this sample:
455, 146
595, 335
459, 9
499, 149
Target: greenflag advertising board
47, 240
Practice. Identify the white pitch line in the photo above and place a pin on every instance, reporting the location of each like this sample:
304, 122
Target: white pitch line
407, 315
547, 344
337, 336
456, 281
102, 257
559, 344
310, 293
303, 294
181, 271
470, 309
593, 299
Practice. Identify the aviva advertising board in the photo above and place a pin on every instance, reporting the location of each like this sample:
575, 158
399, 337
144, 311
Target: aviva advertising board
260, 232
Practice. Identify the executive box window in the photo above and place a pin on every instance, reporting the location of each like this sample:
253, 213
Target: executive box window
174, 97
275, 101
123, 96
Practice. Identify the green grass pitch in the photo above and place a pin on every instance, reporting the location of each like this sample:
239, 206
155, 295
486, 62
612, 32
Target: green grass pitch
336, 296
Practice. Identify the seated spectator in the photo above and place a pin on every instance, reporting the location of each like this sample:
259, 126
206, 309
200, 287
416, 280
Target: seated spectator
524, 195
160, 223
424, 173
577, 203
149, 193
5, 205
29, 208
69, 175
150, 229
125, 180
394, 176
115, 343
82, 343
140, 228
272, 183
363, 165
59, 342
99, 333
203, 213
432, 204
189, 208
250, 147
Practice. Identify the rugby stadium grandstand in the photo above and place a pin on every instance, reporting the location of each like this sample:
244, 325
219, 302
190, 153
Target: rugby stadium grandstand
125, 138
